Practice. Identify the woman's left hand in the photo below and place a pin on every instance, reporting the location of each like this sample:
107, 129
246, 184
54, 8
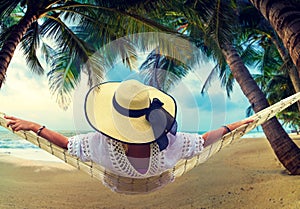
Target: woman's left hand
18, 124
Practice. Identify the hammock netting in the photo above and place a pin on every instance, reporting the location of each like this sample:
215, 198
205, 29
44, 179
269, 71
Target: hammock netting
136, 186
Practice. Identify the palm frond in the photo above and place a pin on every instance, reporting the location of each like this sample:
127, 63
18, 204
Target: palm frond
250, 54
249, 111
161, 71
7, 7
30, 44
228, 83
53, 28
63, 78
95, 67
5, 32
210, 78
221, 24
291, 119
170, 46
269, 61
47, 52
123, 48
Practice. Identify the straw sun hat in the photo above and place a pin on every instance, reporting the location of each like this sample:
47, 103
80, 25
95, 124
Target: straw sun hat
130, 111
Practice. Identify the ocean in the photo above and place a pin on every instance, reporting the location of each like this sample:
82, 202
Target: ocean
11, 144
10, 140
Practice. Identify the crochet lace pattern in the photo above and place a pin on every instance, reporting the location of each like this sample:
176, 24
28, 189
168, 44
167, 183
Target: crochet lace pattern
123, 166
75, 147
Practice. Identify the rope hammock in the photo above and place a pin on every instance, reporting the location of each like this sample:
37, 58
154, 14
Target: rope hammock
136, 186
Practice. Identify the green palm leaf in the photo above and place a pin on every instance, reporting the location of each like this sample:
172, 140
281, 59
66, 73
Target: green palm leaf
29, 44
7, 7
161, 71
63, 77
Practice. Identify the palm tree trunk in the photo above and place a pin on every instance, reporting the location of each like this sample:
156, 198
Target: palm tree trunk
12, 42
285, 149
284, 16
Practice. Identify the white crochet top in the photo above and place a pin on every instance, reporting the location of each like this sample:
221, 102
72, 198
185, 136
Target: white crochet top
110, 153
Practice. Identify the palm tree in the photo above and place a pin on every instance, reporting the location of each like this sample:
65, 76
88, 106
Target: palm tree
284, 18
67, 34
280, 87
287, 152
219, 33
273, 77
259, 34
285, 149
54, 16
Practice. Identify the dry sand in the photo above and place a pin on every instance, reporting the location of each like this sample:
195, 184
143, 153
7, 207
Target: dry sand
245, 174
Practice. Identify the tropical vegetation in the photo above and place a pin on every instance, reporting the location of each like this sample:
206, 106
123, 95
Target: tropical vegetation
283, 16
220, 30
67, 33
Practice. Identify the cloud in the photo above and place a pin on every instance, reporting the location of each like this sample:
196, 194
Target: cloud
27, 96
199, 112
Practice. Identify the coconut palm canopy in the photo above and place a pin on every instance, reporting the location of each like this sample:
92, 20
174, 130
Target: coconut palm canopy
64, 35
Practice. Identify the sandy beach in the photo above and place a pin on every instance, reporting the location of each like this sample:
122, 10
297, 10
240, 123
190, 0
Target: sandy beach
245, 174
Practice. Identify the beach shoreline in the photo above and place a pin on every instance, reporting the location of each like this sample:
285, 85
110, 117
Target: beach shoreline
245, 174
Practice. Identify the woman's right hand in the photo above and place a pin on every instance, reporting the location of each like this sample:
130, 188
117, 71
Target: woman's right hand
237, 124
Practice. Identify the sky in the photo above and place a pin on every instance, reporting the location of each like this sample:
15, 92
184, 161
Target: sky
27, 96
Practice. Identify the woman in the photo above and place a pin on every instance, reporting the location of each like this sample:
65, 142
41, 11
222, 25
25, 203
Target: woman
136, 131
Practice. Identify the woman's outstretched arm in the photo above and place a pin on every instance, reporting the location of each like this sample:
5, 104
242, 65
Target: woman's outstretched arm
18, 124
213, 136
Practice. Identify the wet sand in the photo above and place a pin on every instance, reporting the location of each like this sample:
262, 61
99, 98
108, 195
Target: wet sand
245, 174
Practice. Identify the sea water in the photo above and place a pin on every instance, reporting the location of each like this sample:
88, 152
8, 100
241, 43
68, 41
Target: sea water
10, 140
11, 144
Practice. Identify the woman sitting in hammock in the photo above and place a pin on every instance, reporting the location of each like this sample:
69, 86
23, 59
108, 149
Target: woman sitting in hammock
136, 131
